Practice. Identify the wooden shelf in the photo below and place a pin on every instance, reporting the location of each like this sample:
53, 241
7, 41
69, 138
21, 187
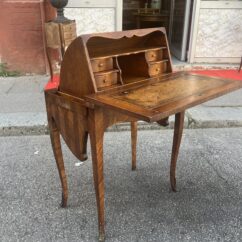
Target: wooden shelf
105, 72
109, 87
132, 79
130, 51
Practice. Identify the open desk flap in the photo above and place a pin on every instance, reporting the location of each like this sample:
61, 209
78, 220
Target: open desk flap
155, 99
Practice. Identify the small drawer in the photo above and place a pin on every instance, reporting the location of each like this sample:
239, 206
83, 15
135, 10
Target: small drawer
154, 55
106, 79
69, 27
69, 35
102, 64
157, 68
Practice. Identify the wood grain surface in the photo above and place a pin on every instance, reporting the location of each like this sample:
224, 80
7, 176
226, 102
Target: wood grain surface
159, 98
120, 77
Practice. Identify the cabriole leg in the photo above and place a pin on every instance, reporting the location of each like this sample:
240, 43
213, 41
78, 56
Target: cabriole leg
133, 143
83, 145
96, 132
179, 122
56, 145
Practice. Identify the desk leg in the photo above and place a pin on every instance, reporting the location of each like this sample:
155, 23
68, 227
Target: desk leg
133, 143
56, 146
96, 131
240, 66
179, 122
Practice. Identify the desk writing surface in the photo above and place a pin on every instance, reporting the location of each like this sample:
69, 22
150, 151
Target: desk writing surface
161, 97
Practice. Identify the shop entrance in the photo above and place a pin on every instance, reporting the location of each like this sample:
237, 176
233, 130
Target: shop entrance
174, 15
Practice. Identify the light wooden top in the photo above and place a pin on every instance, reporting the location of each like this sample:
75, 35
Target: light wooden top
157, 98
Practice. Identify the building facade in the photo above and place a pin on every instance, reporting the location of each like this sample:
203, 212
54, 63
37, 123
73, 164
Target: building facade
211, 31
22, 44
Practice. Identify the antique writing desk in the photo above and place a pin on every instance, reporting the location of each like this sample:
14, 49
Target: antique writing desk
116, 77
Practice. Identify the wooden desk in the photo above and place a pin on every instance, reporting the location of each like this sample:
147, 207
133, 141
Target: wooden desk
118, 77
158, 98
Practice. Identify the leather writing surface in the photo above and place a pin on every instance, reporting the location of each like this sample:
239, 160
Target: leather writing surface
157, 94
163, 97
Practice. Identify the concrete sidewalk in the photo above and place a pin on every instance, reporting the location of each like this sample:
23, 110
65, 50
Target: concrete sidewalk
22, 109
139, 205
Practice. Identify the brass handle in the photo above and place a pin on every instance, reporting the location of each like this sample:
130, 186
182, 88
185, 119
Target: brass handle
100, 65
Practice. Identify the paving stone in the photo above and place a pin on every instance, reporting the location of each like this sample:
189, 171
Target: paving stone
211, 117
139, 205
23, 107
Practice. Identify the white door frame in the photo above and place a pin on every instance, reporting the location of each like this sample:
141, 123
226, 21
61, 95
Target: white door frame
198, 5
180, 53
194, 30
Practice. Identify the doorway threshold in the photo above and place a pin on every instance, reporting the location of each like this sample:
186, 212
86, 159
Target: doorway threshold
185, 66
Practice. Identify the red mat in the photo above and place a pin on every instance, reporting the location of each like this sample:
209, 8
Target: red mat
230, 74
53, 83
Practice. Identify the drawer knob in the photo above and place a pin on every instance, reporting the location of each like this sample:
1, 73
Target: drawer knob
157, 69
104, 80
153, 55
100, 65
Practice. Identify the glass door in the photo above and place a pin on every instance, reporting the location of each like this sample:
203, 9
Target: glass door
180, 21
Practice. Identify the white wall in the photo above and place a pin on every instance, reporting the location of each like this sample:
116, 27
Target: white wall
217, 33
95, 15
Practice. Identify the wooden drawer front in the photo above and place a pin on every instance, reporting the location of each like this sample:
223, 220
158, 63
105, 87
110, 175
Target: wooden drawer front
68, 33
70, 27
103, 64
105, 80
157, 69
154, 55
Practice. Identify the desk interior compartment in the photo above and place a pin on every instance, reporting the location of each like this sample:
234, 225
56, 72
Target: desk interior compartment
108, 47
133, 67
128, 59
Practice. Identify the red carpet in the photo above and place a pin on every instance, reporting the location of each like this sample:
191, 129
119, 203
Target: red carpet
230, 74
53, 83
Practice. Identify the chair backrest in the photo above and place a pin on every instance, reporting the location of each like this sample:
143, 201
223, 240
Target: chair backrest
58, 37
